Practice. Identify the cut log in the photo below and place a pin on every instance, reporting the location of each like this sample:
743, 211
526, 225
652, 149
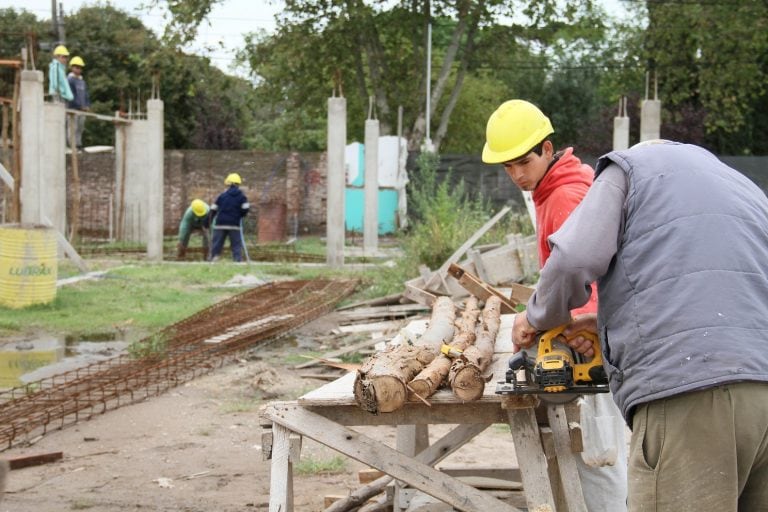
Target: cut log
467, 371
432, 377
381, 383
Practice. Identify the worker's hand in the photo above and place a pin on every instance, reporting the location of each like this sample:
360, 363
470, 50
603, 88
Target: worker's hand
586, 322
523, 333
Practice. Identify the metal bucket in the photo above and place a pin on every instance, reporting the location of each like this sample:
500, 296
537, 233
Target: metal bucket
28, 266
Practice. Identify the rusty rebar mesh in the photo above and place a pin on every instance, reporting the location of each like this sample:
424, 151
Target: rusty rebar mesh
172, 356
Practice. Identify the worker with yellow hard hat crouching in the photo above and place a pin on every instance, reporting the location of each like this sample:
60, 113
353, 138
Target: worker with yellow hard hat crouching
196, 218
229, 210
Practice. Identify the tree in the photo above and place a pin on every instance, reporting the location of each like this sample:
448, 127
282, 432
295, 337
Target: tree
711, 59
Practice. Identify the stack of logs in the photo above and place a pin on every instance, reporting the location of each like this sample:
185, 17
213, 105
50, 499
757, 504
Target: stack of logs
451, 351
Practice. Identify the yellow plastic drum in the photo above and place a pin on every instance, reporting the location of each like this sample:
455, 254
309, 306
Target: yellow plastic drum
28, 265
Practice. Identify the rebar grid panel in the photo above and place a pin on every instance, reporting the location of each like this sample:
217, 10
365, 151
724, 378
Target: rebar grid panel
184, 350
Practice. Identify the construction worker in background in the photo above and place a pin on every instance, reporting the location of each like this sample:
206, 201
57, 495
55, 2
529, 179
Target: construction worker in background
678, 243
518, 136
58, 86
229, 210
195, 218
80, 100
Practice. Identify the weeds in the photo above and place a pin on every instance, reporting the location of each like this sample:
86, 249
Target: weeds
312, 466
154, 346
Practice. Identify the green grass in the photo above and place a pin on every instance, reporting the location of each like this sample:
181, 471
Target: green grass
141, 297
312, 466
240, 405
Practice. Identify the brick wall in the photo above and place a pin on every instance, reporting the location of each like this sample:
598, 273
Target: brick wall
296, 180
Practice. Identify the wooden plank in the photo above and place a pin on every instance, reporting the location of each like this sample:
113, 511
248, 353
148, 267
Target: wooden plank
436, 277
366, 476
525, 432
419, 295
378, 455
477, 258
510, 474
569, 474
68, 249
281, 474
438, 451
26, 461
342, 351
375, 326
479, 289
395, 298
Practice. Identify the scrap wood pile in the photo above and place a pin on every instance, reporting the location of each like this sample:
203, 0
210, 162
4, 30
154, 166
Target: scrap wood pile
451, 351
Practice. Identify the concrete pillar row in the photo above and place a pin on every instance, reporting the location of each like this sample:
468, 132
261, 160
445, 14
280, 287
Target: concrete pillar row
32, 143
337, 139
140, 190
53, 166
650, 120
371, 188
154, 175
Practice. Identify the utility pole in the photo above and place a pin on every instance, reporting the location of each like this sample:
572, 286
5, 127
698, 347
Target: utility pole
57, 21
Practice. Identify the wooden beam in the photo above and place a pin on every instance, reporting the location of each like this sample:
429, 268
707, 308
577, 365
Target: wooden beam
481, 290
569, 474
438, 451
26, 461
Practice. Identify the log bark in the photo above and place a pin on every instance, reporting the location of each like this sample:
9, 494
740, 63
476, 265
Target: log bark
467, 372
435, 373
381, 383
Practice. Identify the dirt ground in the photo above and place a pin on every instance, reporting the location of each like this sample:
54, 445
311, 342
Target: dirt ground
198, 447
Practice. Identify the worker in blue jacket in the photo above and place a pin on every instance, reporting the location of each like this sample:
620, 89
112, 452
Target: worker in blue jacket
228, 211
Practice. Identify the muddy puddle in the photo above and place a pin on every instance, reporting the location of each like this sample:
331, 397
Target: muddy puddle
28, 359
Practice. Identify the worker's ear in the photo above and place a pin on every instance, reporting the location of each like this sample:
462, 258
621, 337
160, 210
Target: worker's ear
547, 149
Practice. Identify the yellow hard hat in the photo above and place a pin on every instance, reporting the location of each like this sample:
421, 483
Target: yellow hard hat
77, 61
513, 130
199, 208
233, 179
61, 50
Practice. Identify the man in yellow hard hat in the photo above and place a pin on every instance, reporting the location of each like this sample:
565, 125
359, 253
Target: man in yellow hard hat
229, 210
80, 100
518, 136
58, 86
195, 218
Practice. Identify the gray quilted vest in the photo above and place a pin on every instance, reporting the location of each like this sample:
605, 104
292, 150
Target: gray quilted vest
684, 305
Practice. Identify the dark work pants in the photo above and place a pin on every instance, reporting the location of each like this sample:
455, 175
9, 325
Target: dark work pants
235, 241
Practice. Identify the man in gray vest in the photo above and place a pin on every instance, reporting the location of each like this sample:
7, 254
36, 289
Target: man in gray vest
678, 243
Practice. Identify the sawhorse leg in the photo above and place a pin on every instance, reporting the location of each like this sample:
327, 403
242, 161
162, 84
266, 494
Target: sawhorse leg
286, 450
532, 462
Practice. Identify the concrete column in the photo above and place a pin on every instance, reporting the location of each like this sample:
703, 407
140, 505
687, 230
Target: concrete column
155, 182
337, 139
621, 127
650, 120
53, 166
31, 105
620, 133
136, 181
371, 218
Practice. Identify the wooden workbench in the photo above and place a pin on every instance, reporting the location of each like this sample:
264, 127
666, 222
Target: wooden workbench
550, 480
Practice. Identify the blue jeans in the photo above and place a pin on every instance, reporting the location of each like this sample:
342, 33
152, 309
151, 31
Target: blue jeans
235, 242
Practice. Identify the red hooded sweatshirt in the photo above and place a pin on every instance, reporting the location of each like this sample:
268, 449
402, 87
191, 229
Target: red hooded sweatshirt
560, 190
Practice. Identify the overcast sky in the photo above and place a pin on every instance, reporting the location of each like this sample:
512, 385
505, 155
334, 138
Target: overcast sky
220, 37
